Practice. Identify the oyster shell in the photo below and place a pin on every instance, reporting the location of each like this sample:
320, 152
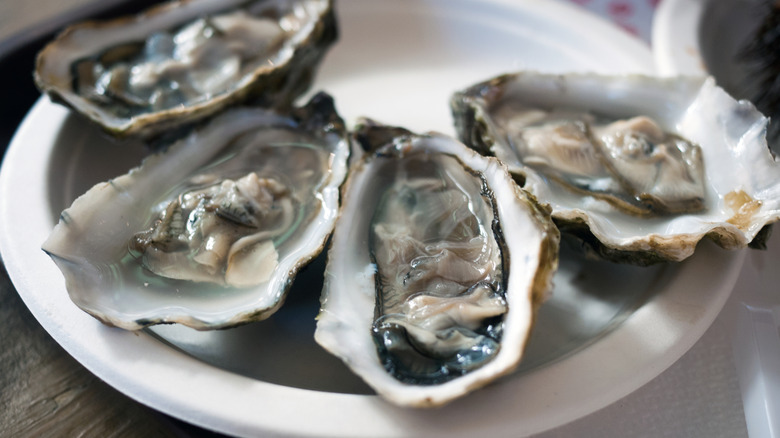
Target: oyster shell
436, 268
175, 64
639, 168
210, 232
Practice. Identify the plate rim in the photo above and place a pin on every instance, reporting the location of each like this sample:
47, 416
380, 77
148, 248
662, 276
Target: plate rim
675, 37
58, 316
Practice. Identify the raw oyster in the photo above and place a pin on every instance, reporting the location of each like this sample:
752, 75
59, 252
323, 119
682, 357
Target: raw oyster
210, 232
639, 168
436, 268
178, 63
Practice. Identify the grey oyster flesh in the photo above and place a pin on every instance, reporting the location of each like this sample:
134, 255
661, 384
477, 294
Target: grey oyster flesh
630, 163
226, 225
439, 286
181, 67
211, 231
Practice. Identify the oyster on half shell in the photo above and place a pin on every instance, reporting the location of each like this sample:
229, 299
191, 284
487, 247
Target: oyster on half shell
177, 63
437, 265
639, 168
211, 232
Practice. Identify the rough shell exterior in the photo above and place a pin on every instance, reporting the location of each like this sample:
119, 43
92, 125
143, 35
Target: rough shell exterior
742, 176
287, 75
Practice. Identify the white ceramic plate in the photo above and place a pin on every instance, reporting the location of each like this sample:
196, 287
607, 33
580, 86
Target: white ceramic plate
608, 329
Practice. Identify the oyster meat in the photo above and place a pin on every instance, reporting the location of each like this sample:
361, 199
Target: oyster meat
210, 232
639, 168
437, 265
630, 163
177, 63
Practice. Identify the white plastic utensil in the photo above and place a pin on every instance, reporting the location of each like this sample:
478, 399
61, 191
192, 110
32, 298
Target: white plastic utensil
756, 343
696, 37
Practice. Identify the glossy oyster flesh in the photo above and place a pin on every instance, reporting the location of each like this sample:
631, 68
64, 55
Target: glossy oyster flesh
210, 232
178, 63
640, 168
631, 164
436, 267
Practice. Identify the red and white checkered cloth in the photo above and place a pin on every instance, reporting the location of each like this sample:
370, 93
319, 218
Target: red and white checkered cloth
635, 16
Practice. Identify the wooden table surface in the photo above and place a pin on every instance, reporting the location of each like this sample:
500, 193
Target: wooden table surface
45, 392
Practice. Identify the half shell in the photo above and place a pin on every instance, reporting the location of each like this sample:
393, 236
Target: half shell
177, 63
266, 196
739, 177
437, 265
